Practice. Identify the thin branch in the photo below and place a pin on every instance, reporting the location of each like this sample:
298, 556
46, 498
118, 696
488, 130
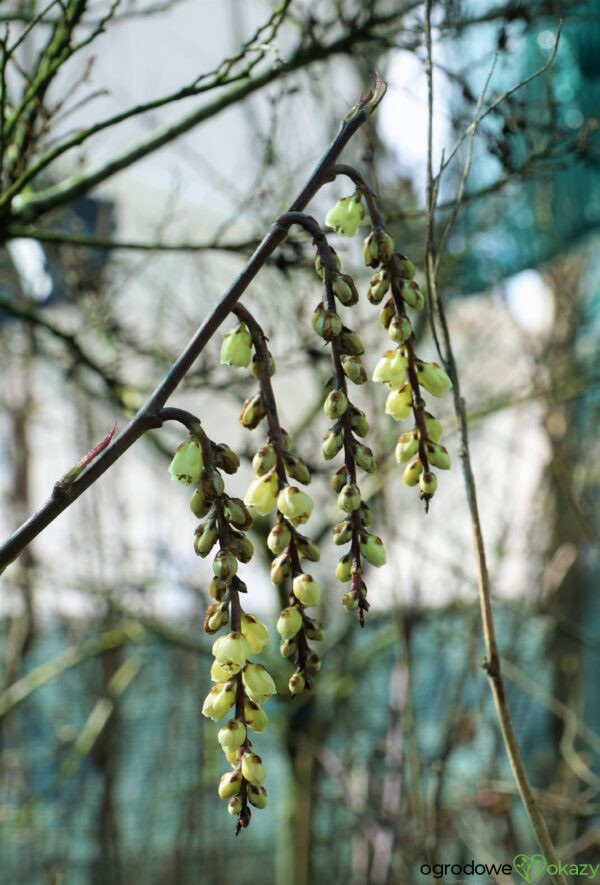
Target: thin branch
500, 100
148, 416
91, 242
27, 209
492, 663
70, 657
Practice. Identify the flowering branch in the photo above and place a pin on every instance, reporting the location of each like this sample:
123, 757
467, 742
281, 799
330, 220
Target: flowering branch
147, 417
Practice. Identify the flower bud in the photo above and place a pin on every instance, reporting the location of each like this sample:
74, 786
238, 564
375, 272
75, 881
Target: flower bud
350, 601
253, 769
313, 662
331, 445
412, 472
345, 216
433, 427
358, 422
230, 784
344, 289
257, 364
297, 683
225, 458
342, 533
255, 716
370, 251
280, 569
379, 287
264, 460
400, 329
286, 440
307, 549
288, 647
262, 493
237, 514
232, 735
254, 632
433, 378
186, 465
408, 445
392, 369
343, 571
198, 504
296, 469
233, 757
412, 295
253, 411
385, 245
319, 264
258, 683
377, 247
399, 403
206, 538
428, 484
225, 565
366, 517
236, 349
241, 547
354, 369
373, 550
349, 498
314, 629
231, 649
218, 701
235, 805
438, 455
294, 504
326, 323
404, 266
212, 485
279, 538
217, 589
350, 343
289, 623
306, 590
215, 618
338, 480
335, 404
364, 457
257, 796
219, 673
387, 313
244, 817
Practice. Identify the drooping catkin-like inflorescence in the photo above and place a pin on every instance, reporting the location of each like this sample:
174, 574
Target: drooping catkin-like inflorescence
275, 464
241, 685
400, 369
350, 424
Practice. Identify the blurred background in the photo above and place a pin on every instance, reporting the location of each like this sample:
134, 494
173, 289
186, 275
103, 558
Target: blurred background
108, 771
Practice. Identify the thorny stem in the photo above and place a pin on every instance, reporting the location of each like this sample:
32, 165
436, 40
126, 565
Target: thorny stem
147, 417
492, 663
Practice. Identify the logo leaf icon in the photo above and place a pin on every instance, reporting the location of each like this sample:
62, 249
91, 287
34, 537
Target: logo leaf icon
529, 867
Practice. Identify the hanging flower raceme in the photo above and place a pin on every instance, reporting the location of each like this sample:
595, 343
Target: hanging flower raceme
349, 425
403, 373
241, 685
276, 465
